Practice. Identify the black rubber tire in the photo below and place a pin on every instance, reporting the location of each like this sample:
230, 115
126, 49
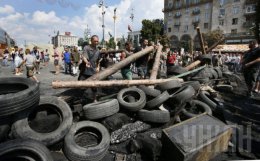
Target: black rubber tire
206, 57
158, 101
111, 96
24, 150
75, 152
150, 91
202, 80
205, 97
224, 88
175, 70
132, 106
17, 94
101, 109
154, 116
172, 84
183, 95
195, 84
4, 131
214, 73
22, 129
201, 106
218, 70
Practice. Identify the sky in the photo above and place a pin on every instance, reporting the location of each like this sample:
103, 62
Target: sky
37, 20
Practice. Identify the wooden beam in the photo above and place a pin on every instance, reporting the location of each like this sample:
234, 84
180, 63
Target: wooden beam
201, 41
110, 83
192, 65
112, 51
215, 44
114, 68
156, 64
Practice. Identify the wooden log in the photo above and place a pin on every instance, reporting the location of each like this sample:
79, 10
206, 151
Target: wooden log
189, 72
114, 68
201, 41
156, 64
192, 65
215, 44
112, 51
110, 83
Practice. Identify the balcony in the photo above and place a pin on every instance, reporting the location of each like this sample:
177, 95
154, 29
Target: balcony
248, 24
177, 24
167, 9
238, 35
196, 21
196, 12
251, 2
177, 15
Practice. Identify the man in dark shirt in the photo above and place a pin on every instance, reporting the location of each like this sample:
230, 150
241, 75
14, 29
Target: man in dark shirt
141, 63
90, 61
250, 66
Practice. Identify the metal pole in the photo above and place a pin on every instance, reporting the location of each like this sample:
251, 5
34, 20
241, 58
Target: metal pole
115, 25
132, 19
102, 6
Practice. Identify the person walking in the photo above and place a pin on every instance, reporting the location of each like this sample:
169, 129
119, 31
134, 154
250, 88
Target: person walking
56, 61
75, 58
67, 61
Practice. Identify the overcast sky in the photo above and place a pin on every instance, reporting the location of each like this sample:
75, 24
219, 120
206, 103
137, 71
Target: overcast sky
36, 20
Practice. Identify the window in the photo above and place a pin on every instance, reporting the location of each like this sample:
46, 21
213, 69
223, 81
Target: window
250, 8
236, 0
196, 1
178, 4
207, 5
170, 14
169, 29
187, 11
206, 16
234, 21
170, 3
233, 31
187, 2
206, 25
197, 18
236, 10
222, 12
186, 28
221, 22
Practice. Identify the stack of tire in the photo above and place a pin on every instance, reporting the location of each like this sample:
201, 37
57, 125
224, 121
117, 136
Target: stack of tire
32, 125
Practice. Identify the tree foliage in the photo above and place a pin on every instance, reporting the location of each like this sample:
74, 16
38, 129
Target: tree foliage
212, 36
152, 29
111, 43
82, 42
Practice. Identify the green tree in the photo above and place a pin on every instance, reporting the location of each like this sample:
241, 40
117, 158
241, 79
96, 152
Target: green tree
212, 36
111, 43
152, 29
82, 42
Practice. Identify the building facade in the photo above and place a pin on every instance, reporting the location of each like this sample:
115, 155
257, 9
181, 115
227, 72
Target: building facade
65, 40
234, 17
136, 37
5, 39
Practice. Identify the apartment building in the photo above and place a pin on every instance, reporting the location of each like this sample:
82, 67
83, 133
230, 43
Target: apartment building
234, 17
67, 39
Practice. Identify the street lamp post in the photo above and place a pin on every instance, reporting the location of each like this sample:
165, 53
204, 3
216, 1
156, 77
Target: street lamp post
114, 17
102, 6
132, 20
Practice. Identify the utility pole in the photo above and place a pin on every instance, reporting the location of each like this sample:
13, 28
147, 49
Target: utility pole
132, 20
114, 17
103, 6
